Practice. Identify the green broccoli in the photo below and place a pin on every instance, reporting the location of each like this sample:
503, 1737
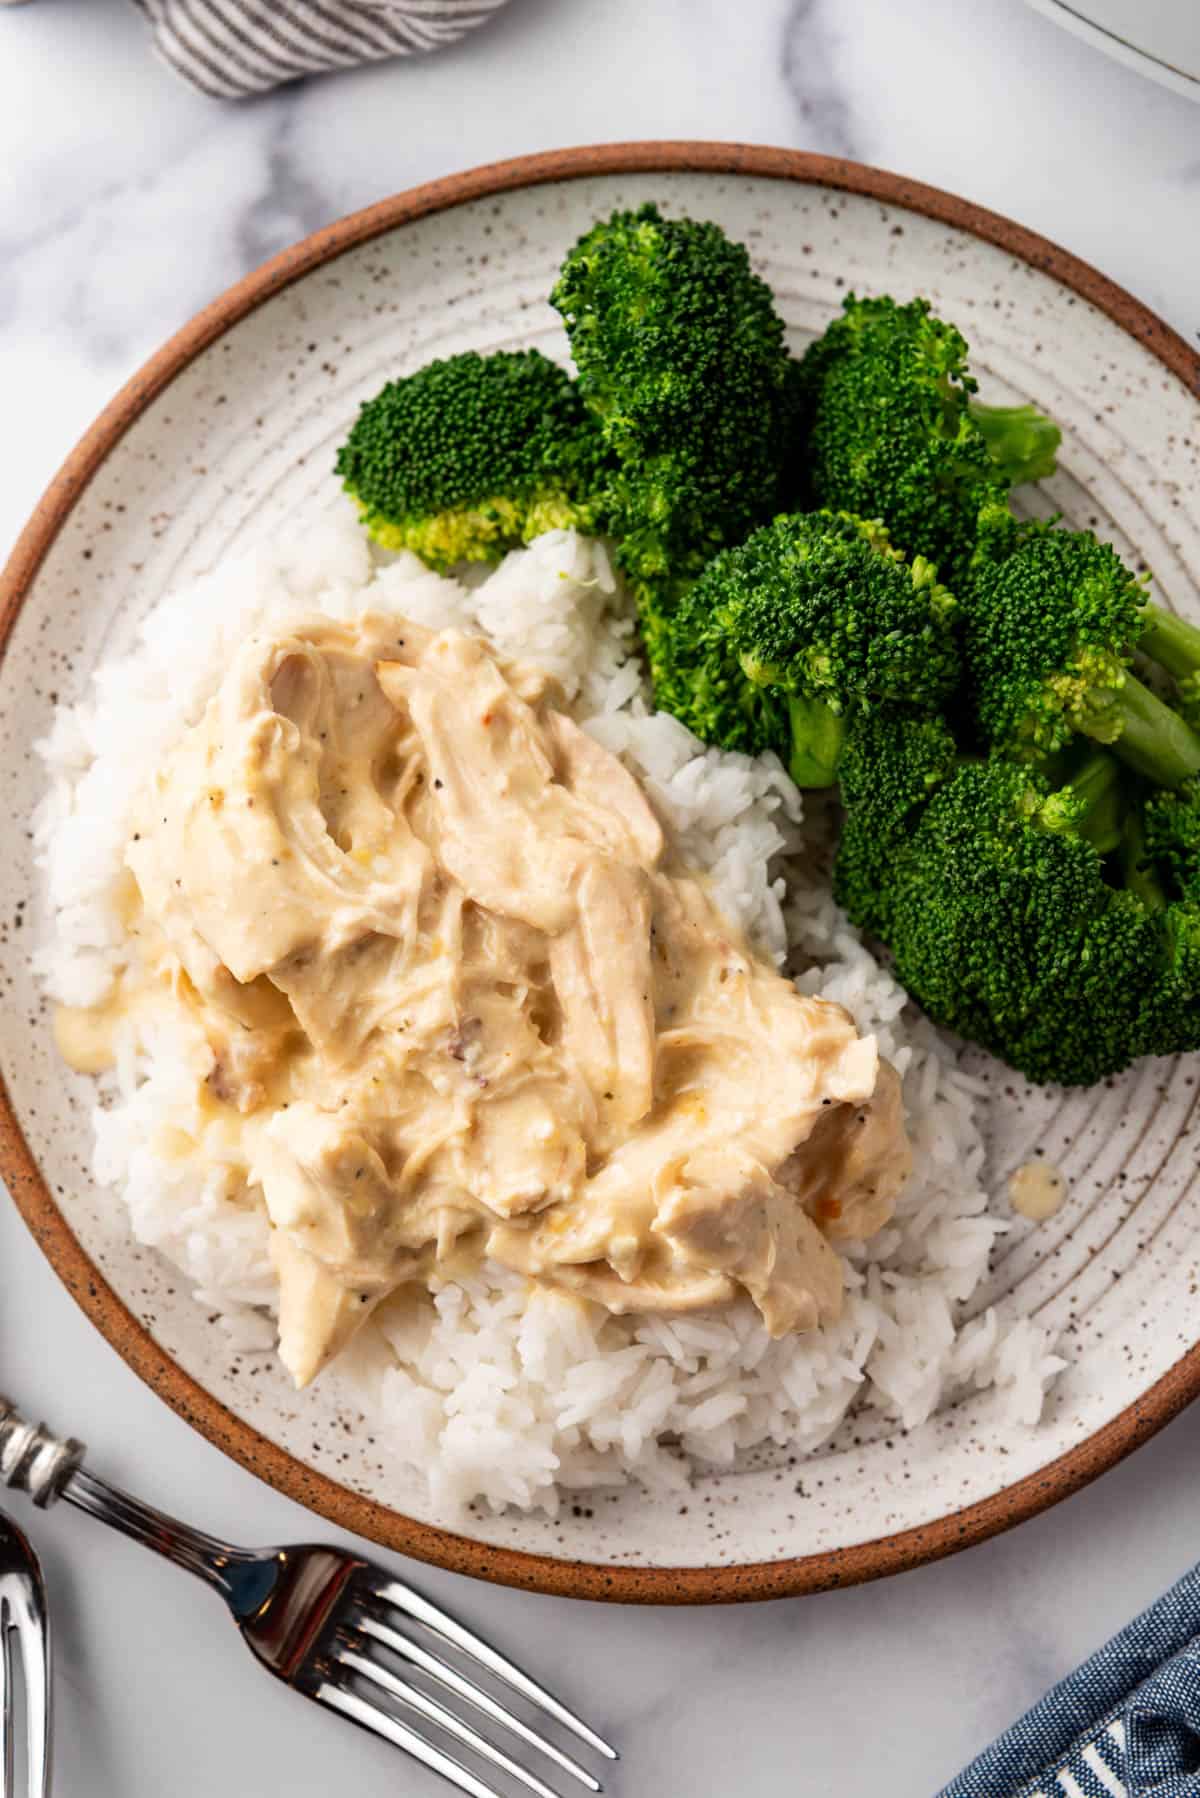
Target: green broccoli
786, 638
891, 429
1051, 621
1175, 645
1137, 874
989, 888
471, 456
680, 354
1022, 442
891, 763
1171, 838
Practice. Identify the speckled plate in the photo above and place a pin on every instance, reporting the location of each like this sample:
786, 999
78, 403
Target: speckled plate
235, 422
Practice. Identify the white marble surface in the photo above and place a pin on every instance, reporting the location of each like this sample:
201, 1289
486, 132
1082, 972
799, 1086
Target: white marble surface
125, 203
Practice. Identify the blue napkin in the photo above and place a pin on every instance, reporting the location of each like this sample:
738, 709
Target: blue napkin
1124, 1725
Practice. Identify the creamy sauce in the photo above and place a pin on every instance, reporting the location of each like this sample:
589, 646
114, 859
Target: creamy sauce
1037, 1191
455, 996
85, 1036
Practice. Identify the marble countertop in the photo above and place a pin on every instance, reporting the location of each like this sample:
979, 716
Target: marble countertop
126, 202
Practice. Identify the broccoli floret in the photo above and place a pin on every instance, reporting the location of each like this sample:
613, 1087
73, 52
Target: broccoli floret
680, 354
813, 620
471, 456
894, 430
1051, 621
891, 763
1171, 835
992, 898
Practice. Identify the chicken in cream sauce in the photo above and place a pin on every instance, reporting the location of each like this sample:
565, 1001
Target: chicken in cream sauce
460, 998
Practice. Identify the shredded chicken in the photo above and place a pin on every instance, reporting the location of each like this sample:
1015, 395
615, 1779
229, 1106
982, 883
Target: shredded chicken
463, 1000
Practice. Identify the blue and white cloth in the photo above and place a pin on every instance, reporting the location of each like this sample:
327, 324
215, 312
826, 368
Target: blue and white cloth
1124, 1725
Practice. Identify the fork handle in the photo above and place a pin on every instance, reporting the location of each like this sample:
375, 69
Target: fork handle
31, 1459
50, 1467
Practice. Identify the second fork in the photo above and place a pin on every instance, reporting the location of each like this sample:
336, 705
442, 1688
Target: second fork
337, 1628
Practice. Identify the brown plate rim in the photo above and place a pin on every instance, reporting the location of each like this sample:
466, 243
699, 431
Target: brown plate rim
350, 1510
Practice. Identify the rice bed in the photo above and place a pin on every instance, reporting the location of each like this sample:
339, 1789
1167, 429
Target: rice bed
494, 1390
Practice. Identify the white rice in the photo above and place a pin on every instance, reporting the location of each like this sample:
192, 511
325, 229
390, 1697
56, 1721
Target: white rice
498, 1392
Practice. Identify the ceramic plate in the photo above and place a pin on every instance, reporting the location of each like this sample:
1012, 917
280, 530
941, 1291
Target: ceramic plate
233, 424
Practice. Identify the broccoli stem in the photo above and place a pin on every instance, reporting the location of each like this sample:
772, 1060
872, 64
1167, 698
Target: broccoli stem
818, 733
1170, 641
1022, 443
1088, 803
1139, 878
1153, 738
1097, 784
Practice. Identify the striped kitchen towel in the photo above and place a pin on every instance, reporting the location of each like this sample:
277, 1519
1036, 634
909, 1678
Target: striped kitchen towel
230, 48
1125, 1725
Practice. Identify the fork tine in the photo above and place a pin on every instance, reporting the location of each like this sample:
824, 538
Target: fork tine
6, 1704
421, 1611
408, 1694
349, 1704
447, 1676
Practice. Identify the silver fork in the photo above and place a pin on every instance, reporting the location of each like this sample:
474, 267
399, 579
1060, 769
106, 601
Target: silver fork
327, 1623
25, 1626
